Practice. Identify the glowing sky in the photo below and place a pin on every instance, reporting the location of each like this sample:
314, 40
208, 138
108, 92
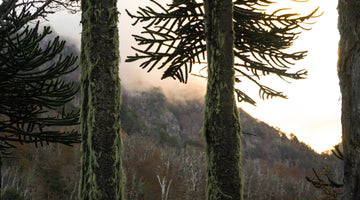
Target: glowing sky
312, 111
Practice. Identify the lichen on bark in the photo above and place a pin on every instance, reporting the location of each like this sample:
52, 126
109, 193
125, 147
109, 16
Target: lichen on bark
101, 173
221, 121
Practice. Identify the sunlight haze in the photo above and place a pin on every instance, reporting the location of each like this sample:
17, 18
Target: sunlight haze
312, 110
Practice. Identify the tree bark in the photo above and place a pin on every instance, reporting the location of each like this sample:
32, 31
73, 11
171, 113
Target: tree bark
349, 76
221, 121
101, 173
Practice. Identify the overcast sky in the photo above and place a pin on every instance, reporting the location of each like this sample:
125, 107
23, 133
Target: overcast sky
312, 110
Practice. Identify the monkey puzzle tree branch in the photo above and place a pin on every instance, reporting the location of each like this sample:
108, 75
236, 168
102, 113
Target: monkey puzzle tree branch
319, 182
18, 13
33, 95
174, 39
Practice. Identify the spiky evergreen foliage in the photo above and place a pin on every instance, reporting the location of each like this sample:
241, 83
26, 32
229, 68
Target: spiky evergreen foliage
33, 95
174, 39
323, 179
20, 12
319, 182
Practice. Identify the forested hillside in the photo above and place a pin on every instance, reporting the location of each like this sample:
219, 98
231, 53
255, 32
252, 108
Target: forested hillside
183, 121
164, 152
163, 139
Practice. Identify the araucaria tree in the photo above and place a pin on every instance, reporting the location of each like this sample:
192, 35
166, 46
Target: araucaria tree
187, 30
101, 172
349, 76
221, 118
33, 94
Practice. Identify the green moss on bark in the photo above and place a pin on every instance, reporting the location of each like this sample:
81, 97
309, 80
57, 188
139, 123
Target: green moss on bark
221, 121
101, 173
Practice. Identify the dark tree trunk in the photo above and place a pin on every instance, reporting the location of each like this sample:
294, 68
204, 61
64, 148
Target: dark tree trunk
1, 175
221, 122
349, 75
101, 173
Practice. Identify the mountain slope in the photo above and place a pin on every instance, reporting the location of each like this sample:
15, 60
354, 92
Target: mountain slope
160, 131
184, 120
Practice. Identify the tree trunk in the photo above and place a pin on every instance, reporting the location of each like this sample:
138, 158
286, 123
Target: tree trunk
349, 75
101, 173
221, 121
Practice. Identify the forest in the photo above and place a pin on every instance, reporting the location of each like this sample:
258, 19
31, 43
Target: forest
162, 138
70, 130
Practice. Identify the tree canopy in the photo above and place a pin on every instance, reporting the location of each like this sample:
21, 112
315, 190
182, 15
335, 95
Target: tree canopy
33, 94
174, 39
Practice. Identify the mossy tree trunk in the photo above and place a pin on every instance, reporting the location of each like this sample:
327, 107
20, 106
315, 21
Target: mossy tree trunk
101, 173
221, 122
349, 76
